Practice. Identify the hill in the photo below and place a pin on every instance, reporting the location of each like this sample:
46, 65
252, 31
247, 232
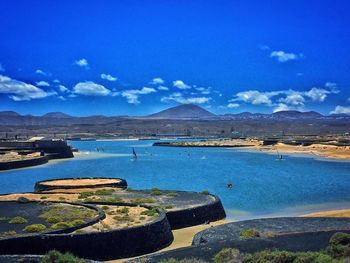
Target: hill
185, 111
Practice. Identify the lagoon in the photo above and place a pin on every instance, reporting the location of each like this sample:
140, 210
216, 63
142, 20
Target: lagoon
262, 185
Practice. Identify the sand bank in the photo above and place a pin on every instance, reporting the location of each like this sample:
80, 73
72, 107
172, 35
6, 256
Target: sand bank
330, 213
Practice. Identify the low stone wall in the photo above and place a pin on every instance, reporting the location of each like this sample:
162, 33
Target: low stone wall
291, 234
41, 187
23, 163
196, 215
114, 244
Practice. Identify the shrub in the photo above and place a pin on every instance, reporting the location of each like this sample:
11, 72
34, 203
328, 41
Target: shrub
168, 206
249, 233
172, 194
227, 255
105, 207
61, 225
61, 198
151, 212
142, 218
124, 218
205, 192
84, 195
155, 191
10, 233
287, 257
18, 220
104, 192
43, 197
339, 245
78, 222
55, 256
53, 220
35, 228
124, 210
23, 200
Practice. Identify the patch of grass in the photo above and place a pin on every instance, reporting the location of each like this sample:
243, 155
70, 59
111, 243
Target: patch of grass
172, 194
104, 192
10, 233
185, 260
249, 233
140, 201
227, 255
61, 225
55, 256
105, 207
110, 199
205, 192
69, 213
124, 218
285, 256
35, 228
43, 197
142, 217
53, 220
155, 191
18, 220
168, 207
61, 198
78, 222
151, 212
124, 210
84, 195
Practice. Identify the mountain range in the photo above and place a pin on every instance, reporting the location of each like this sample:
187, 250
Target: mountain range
181, 112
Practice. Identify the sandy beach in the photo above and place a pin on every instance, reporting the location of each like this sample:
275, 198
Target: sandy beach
330, 213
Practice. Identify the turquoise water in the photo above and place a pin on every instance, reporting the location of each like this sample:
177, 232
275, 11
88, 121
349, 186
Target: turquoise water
263, 186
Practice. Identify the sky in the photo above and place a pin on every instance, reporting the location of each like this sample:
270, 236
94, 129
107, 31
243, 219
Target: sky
131, 57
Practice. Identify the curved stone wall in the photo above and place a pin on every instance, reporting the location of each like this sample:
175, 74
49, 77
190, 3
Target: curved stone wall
23, 163
196, 215
41, 187
114, 244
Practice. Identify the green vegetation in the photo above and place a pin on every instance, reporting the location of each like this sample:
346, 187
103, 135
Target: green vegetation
84, 195
124, 210
18, 220
227, 255
172, 194
53, 220
61, 225
55, 256
124, 218
35, 228
10, 233
105, 207
249, 233
151, 212
104, 192
285, 256
155, 191
339, 245
205, 192
78, 222
140, 201
43, 197
68, 213
168, 207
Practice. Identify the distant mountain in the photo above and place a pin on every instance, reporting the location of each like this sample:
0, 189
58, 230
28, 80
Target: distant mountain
56, 115
296, 115
9, 114
184, 111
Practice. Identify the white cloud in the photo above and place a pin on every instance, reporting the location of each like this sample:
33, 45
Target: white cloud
82, 63
232, 105
180, 84
132, 96
63, 88
282, 56
157, 81
264, 47
341, 110
204, 91
178, 97
89, 88
162, 88
108, 77
43, 84
2, 68
21, 91
281, 107
41, 72
61, 98
283, 99
56, 81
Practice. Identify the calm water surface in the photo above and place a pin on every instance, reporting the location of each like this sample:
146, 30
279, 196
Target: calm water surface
263, 186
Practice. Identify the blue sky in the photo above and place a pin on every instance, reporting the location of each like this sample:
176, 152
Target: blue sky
138, 57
